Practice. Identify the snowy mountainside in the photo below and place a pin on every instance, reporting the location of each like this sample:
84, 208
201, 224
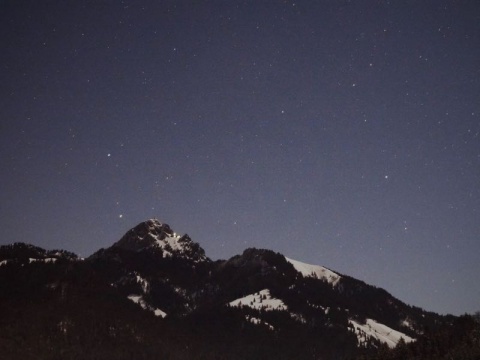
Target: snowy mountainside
317, 271
259, 295
373, 329
260, 300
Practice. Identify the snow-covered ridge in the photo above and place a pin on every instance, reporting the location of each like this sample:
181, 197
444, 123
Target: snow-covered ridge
138, 299
317, 271
22, 253
381, 332
32, 260
260, 300
49, 260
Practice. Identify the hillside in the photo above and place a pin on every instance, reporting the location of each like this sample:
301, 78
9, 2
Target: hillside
155, 294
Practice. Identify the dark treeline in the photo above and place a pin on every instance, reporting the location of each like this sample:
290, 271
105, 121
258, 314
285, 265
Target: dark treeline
459, 341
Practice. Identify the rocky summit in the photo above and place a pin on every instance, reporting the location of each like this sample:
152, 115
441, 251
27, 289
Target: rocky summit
152, 234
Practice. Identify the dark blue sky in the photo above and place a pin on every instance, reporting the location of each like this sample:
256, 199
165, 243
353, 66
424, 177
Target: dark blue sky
340, 133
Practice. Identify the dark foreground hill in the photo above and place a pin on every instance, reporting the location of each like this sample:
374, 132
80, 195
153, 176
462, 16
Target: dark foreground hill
156, 295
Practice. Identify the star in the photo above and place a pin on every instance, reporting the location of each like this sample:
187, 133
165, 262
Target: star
186, 131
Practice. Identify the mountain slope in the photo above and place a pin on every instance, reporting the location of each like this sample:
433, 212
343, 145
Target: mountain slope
317, 271
260, 303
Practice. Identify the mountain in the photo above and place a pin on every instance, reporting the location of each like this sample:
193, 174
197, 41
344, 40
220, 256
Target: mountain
26, 253
152, 235
155, 294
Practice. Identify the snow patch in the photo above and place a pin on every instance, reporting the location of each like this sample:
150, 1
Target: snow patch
319, 307
317, 271
260, 300
143, 283
46, 260
257, 321
169, 245
407, 324
138, 299
383, 333
180, 291
158, 312
298, 317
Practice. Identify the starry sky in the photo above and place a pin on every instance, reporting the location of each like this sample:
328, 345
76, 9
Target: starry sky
341, 133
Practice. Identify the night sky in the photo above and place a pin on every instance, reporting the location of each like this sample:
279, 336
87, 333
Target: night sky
340, 133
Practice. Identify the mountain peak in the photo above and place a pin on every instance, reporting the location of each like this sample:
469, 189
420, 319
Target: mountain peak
153, 234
